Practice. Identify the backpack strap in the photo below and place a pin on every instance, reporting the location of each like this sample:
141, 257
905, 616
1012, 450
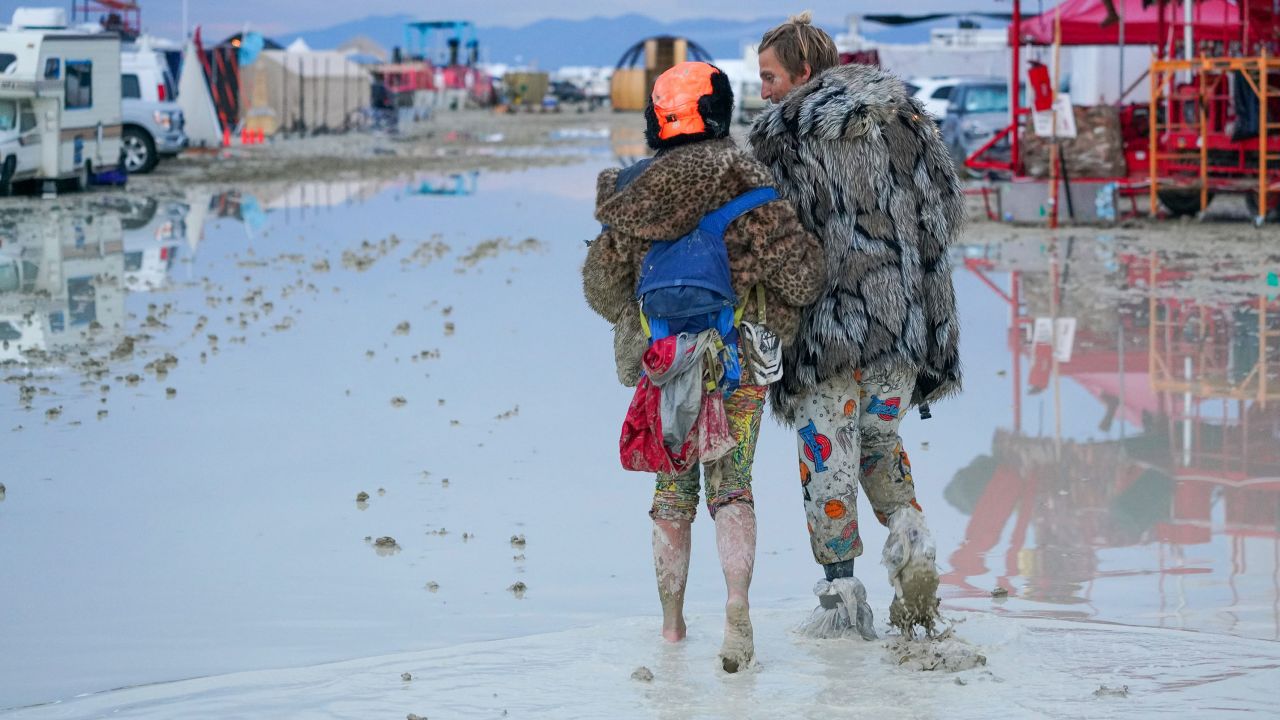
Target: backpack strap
627, 174
760, 313
718, 220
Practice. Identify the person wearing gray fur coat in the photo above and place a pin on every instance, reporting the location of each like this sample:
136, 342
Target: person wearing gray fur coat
868, 173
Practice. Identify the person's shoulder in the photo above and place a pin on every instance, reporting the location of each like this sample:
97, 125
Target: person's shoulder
838, 103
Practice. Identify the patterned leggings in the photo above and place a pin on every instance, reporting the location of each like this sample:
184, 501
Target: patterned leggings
728, 479
848, 434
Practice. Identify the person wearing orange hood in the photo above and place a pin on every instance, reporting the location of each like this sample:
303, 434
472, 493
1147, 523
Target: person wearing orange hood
700, 179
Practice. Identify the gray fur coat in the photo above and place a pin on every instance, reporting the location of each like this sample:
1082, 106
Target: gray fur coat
868, 173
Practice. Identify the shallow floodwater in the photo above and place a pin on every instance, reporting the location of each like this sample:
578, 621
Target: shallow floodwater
425, 342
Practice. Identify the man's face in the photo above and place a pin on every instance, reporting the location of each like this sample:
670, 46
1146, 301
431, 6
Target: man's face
775, 81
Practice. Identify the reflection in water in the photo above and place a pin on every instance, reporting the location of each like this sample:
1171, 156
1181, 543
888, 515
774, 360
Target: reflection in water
454, 184
628, 144
1179, 358
60, 282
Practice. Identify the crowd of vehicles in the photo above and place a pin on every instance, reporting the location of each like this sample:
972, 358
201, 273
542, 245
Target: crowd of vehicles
75, 103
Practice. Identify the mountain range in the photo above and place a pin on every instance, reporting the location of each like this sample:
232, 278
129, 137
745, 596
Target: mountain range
600, 41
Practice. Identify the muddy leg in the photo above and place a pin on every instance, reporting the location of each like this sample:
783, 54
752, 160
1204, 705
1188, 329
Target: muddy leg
671, 564
736, 541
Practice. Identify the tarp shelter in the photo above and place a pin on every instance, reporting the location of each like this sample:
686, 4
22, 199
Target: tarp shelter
1082, 23
199, 112
302, 90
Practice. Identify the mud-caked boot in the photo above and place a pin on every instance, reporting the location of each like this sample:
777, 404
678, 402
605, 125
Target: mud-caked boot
842, 609
910, 557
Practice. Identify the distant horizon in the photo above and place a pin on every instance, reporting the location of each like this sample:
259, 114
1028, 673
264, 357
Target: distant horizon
221, 18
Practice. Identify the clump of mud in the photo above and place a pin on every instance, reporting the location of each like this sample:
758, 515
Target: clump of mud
386, 545
406, 676
426, 253
944, 652
518, 589
1105, 691
362, 496
643, 674
517, 541
496, 246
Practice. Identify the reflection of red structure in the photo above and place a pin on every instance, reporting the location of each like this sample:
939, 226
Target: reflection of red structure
1200, 382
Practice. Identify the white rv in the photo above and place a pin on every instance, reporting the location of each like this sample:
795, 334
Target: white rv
59, 99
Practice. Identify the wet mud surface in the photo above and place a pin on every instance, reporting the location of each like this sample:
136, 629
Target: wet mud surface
201, 372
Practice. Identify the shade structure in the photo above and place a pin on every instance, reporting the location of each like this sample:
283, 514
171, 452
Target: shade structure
1082, 23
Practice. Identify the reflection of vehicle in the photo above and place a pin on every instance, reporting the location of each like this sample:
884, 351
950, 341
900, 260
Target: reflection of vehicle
457, 184
976, 110
62, 118
56, 271
152, 119
151, 243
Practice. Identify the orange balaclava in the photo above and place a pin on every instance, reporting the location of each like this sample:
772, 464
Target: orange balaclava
690, 101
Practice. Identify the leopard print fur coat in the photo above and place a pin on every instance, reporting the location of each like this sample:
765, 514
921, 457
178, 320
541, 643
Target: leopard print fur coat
682, 184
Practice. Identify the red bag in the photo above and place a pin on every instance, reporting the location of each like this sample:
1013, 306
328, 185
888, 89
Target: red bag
641, 443
1041, 87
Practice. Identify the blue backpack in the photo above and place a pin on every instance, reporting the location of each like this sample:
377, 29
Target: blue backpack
685, 284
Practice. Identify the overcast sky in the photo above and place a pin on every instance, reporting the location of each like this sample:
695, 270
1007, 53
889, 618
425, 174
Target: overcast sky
220, 17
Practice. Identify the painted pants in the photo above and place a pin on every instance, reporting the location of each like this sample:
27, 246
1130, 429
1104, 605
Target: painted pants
848, 433
728, 479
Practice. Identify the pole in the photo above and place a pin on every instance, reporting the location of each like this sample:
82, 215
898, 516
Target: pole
1015, 343
1121, 87
284, 125
1016, 80
302, 97
1264, 137
1203, 117
1188, 50
1053, 346
1153, 126
1054, 149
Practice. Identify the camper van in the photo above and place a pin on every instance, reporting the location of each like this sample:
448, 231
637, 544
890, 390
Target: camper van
59, 100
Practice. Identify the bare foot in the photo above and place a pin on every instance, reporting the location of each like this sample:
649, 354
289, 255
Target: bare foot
673, 631
739, 646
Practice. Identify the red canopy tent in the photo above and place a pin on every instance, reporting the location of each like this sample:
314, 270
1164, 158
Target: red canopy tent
1214, 20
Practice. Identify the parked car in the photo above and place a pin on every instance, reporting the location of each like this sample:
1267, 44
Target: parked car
934, 93
566, 92
153, 121
976, 110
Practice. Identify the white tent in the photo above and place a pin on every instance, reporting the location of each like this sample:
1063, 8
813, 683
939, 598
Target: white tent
203, 129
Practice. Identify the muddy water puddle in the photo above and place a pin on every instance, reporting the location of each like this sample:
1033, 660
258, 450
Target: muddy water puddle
216, 406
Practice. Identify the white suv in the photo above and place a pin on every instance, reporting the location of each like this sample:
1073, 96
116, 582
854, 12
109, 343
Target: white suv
152, 119
934, 92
